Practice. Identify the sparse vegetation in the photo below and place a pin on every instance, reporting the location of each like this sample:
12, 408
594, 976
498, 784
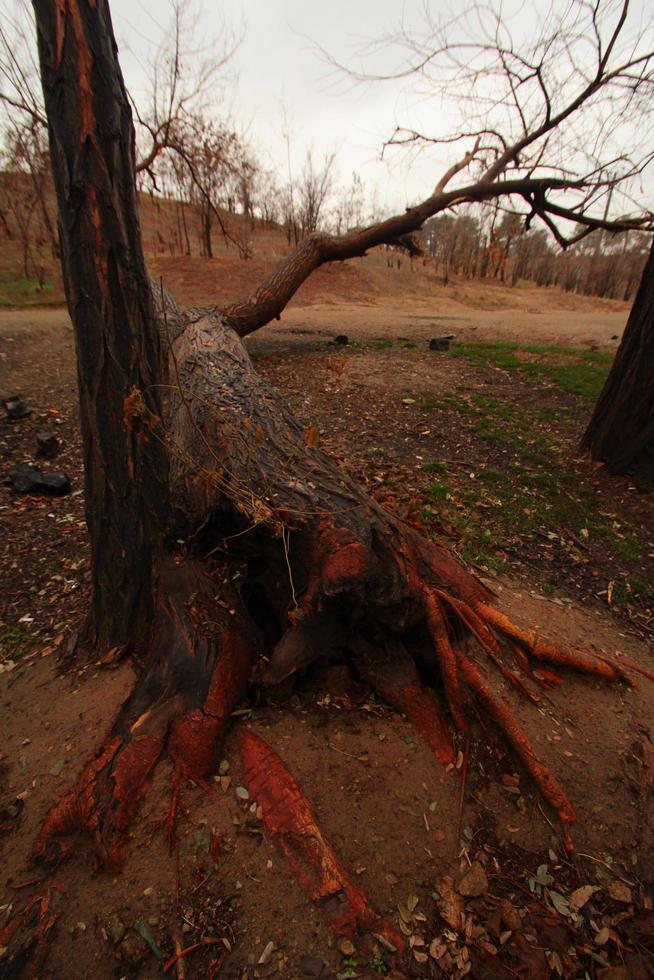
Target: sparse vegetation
574, 370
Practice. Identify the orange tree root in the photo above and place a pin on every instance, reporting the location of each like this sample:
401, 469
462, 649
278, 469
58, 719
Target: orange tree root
25, 939
103, 803
504, 718
394, 676
288, 817
160, 714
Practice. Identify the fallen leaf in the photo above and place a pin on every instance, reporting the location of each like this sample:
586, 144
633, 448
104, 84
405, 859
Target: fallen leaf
581, 895
450, 904
474, 882
312, 436
267, 953
620, 892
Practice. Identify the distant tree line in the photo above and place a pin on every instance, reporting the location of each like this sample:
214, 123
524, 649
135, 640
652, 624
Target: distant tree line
493, 245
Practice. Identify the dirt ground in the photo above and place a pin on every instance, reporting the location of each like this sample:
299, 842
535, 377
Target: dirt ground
468, 861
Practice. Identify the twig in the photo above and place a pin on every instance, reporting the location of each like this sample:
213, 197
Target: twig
180, 968
208, 941
462, 791
358, 758
589, 857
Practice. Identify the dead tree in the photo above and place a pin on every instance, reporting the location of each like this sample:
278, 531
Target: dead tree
222, 538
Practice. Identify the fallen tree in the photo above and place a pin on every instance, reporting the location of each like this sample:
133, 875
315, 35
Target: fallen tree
227, 546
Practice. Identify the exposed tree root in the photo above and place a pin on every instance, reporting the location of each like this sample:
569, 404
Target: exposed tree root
25, 938
288, 817
396, 680
194, 678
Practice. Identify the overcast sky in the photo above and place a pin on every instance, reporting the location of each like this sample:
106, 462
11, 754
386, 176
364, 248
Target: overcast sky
279, 69
279, 72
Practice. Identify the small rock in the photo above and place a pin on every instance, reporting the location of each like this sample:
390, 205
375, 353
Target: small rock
311, 966
27, 479
47, 444
15, 408
342, 340
116, 930
441, 343
346, 947
134, 949
223, 769
242, 793
474, 882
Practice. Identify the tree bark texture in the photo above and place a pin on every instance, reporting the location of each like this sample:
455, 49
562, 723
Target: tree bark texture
109, 299
621, 430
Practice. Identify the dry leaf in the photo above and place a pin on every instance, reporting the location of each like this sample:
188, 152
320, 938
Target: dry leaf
581, 895
620, 892
267, 953
450, 904
312, 436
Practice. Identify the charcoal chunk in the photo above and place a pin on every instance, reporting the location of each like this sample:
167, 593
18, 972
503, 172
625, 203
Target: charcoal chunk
27, 479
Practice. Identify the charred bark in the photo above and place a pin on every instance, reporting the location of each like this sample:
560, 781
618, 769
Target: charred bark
109, 299
621, 430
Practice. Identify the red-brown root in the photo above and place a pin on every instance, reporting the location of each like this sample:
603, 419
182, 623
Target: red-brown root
546, 652
393, 675
503, 716
290, 820
25, 938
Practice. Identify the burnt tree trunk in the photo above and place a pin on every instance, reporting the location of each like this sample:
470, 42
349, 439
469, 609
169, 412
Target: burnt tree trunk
621, 430
109, 298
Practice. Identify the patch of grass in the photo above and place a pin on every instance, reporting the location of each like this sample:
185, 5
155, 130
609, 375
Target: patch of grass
438, 490
639, 588
574, 370
493, 477
19, 291
381, 344
13, 644
444, 402
259, 354
434, 467
627, 546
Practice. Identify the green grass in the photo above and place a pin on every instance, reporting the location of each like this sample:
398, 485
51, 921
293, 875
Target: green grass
14, 644
437, 490
18, 291
259, 354
574, 370
434, 467
381, 344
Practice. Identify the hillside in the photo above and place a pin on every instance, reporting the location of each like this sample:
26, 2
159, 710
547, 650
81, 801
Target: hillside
384, 279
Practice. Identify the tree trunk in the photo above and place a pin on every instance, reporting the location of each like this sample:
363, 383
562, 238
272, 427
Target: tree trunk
109, 299
621, 430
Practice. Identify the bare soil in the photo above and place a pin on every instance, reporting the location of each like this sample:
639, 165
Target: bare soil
393, 813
